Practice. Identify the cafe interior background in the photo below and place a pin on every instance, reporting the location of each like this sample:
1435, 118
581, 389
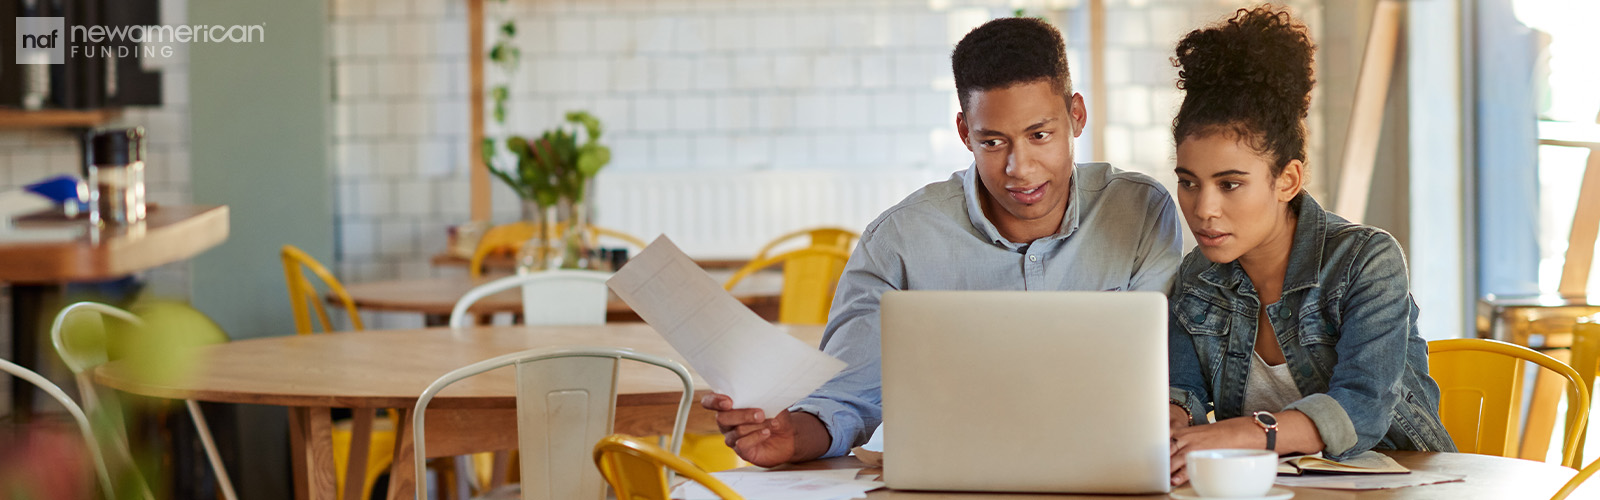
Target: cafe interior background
346, 132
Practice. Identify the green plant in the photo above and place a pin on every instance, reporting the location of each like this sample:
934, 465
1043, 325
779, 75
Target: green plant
553, 165
504, 55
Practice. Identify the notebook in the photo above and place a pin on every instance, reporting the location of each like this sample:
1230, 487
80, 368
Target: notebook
1369, 462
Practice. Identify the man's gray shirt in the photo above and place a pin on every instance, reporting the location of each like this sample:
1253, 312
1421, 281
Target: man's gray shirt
1120, 232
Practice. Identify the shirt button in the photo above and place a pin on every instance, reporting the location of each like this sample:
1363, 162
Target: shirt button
1283, 313
1199, 318
1033, 258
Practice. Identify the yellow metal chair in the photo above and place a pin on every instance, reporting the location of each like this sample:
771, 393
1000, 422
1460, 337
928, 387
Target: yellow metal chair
637, 470
1585, 355
506, 239
305, 300
827, 236
303, 297
1576, 481
1480, 383
810, 276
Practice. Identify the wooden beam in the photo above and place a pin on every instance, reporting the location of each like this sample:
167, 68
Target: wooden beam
482, 208
1097, 78
1585, 228
1366, 116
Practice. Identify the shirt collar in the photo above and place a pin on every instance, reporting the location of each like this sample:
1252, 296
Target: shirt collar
1305, 252
970, 183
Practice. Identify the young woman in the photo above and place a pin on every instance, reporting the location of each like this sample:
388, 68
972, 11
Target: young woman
1295, 326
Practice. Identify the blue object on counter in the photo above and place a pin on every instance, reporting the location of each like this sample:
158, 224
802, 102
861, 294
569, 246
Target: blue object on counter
58, 189
62, 190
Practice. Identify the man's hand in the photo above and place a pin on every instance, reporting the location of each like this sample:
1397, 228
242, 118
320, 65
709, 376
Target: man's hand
757, 439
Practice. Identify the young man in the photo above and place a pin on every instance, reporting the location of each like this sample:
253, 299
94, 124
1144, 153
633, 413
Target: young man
1021, 218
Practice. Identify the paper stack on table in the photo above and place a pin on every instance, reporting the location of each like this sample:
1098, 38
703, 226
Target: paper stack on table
734, 350
836, 484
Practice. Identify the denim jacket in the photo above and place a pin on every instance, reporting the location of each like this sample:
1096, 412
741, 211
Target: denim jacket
1347, 326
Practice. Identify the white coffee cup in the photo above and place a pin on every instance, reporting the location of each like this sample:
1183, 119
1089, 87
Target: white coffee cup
1232, 473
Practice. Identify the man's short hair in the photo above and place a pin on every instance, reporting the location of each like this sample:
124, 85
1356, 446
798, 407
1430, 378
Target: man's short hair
1010, 51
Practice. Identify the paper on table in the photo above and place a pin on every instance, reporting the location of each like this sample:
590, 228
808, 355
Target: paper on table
736, 352
1368, 481
785, 485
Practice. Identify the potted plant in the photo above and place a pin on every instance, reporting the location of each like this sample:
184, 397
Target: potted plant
551, 174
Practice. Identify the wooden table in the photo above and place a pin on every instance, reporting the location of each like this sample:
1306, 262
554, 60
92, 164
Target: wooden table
388, 369
434, 298
1488, 478
34, 270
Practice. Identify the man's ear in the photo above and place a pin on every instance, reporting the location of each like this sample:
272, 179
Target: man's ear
1080, 114
1290, 181
961, 129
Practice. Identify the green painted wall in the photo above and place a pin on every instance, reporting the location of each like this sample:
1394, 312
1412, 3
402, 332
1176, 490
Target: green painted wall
259, 144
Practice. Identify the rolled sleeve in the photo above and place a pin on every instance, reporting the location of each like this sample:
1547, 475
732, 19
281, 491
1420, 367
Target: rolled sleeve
844, 422
1333, 424
1378, 320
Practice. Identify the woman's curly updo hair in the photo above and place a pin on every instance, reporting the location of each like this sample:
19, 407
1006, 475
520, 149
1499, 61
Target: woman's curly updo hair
1249, 77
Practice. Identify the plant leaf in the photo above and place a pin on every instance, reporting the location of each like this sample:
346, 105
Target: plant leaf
591, 157
509, 28
487, 150
591, 125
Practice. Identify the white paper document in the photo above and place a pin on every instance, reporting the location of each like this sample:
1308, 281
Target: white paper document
837, 484
734, 350
1368, 481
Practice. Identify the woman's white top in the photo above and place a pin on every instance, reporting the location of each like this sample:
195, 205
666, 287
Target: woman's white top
1268, 387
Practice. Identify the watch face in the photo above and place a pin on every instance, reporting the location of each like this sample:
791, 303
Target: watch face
1266, 418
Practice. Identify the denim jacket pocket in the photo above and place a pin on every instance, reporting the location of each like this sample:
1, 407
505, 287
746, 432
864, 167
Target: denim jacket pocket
1200, 317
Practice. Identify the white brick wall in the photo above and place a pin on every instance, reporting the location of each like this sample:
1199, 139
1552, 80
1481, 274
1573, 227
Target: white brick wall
697, 85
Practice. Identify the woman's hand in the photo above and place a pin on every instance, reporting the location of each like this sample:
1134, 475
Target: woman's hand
1240, 432
1177, 418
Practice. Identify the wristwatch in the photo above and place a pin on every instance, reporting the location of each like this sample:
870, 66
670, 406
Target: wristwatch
1269, 424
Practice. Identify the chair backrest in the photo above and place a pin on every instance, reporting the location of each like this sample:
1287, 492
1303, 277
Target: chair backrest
636, 470
303, 296
501, 238
83, 340
1480, 383
810, 276
1585, 360
827, 236
598, 232
77, 416
1576, 481
559, 297
509, 238
566, 399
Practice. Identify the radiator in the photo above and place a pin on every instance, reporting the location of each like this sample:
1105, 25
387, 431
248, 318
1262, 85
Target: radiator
730, 215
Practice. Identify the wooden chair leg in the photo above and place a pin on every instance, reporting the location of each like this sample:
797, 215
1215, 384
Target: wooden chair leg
355, 471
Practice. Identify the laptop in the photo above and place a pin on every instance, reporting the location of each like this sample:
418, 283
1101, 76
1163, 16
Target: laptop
1054, 392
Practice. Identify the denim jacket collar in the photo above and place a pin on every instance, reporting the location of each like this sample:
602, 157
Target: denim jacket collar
1310, 233
970, 183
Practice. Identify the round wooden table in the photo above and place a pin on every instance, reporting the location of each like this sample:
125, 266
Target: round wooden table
1487, 478
434, 298
388, 369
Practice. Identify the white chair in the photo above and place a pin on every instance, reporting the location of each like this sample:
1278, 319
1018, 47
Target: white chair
566, 401
560, 297
83, 347
77, 415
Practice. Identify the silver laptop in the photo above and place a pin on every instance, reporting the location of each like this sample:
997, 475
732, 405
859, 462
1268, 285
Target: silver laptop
1060, 392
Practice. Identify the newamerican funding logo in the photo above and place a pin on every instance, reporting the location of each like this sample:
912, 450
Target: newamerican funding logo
48, 40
